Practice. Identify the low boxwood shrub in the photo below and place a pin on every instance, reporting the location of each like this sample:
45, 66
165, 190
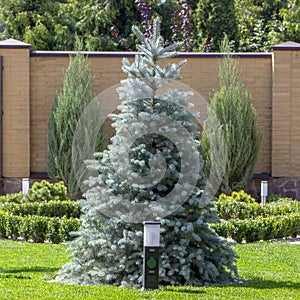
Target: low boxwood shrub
54, 208
67, 227
281, 207
54, 232
42, 191
13, 226
37, 228
240, 196
13, 198
238, 210
45, 191
243, 219
260, 228
25, 230
3, 224
242, 206
20, 208
239, 205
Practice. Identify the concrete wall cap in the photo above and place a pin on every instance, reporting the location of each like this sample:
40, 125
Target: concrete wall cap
12, 43
112, 54
286, 46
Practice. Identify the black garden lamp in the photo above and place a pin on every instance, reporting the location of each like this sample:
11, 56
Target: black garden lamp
151, 255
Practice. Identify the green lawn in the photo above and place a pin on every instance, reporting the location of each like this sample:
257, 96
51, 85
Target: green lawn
272, 271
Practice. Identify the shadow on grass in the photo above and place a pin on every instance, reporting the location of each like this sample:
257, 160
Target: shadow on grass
260, 283
18, 273
186, 290
254, 283
29, 270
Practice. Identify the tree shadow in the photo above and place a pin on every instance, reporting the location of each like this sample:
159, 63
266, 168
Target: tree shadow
29, 270
185, 289
14, 276
254, 283
261, 283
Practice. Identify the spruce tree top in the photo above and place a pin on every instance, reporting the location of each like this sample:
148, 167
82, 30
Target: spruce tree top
152, 165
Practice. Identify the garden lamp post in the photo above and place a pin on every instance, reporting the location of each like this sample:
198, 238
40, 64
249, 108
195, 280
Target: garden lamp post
264, 192
151, 255
25, 185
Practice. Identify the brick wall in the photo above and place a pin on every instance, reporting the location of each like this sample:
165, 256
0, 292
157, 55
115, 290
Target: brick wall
16, 127
200, 73
31, 80
286, 111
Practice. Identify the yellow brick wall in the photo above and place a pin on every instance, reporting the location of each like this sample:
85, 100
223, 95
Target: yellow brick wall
46, 78
16, 144
200, 73
31, 81
256, 74
286, 113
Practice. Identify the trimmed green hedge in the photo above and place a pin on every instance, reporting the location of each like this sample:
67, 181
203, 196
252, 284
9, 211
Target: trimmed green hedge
243, 219
260, 228
37, 228
242, 206
54, 208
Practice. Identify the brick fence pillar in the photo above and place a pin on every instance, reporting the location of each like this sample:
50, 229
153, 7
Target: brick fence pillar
286, 110
16, 109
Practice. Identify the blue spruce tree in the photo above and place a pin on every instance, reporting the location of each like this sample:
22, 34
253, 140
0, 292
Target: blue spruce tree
150, 171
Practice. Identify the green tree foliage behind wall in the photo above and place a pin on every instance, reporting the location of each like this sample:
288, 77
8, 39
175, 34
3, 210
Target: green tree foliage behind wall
105, 25
291, 20
39, 23
212, 19
266, 23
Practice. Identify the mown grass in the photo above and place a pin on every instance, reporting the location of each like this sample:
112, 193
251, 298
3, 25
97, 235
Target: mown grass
271, 271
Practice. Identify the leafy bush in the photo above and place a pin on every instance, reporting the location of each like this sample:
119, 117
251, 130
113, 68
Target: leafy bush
45, 191
37, 228
54, 232
67, 227
43, 219
244, 219
13, 226
240, 205
282, 207
39, 192
20, 209
261, 228
53, 208
240, 196
273, 198
14, 198
2, 224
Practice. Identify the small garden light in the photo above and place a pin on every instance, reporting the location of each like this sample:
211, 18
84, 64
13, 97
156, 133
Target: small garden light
151, 255
25, 185
264, 192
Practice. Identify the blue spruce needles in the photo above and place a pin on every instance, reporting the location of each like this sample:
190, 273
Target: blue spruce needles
152, 170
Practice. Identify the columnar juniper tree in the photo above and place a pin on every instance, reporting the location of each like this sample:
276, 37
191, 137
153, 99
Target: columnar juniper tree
134, 179
233, 108
66, 111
